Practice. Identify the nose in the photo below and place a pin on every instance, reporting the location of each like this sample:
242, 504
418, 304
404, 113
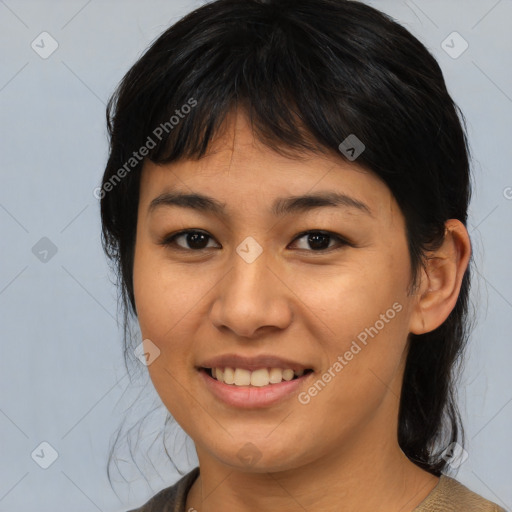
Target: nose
251, 299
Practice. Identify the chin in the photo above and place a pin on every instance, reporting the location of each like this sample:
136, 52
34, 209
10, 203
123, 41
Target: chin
260, 457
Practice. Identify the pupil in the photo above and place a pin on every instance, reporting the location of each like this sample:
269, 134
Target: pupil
200, 240
197, 240
315, 241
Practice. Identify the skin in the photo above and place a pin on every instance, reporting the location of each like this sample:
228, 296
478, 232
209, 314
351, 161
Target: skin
293, 302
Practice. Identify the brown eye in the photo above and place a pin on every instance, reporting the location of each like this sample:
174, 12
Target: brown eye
313, 241
189, 240
320, 240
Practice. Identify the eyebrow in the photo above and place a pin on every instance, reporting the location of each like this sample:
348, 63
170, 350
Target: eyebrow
281, 206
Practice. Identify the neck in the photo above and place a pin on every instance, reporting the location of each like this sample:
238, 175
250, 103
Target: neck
363, 476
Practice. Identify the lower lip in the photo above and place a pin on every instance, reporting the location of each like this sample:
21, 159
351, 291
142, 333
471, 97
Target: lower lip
249, 397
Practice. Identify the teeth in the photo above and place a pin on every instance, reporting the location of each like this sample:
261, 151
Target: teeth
242, 377
276, 375
260, 378
287, 374
257, 378
229, 375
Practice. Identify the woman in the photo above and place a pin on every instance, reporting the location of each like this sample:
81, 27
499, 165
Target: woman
286, 201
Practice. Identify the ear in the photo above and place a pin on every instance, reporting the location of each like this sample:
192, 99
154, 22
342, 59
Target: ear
441, 279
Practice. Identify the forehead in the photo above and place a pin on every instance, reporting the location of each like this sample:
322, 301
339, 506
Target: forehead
238, 167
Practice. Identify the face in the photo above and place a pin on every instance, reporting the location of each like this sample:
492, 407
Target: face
259, 281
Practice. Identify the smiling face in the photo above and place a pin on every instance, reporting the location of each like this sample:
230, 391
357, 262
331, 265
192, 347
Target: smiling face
334, 302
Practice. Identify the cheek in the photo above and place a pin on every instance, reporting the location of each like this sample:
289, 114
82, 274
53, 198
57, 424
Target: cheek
160, 295
365, 311
171, 303
147, 289
162, 304
350, 298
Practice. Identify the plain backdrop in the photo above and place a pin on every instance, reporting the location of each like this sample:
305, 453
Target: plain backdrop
62, 376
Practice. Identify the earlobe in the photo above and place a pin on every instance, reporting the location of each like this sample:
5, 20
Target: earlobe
441, 279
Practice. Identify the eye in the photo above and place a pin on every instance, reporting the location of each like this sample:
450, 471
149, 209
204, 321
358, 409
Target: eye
196, 240
320, 240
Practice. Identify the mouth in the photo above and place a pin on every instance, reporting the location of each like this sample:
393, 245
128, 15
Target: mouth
260, 388
260, 377
256, 381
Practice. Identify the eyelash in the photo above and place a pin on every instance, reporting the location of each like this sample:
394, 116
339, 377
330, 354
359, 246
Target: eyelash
170, 241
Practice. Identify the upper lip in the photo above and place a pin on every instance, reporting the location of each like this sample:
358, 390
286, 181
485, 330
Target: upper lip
252, 363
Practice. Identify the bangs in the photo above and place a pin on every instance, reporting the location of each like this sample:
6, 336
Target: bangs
298, 95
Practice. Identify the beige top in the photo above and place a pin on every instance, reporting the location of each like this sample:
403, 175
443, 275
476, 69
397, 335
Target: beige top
448, 495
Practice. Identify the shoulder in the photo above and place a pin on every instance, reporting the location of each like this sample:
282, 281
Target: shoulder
449, 495
171, 499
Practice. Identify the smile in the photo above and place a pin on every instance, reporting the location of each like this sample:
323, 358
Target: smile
257, 378
241, 388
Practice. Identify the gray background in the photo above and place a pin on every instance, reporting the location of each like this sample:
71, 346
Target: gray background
62, 377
